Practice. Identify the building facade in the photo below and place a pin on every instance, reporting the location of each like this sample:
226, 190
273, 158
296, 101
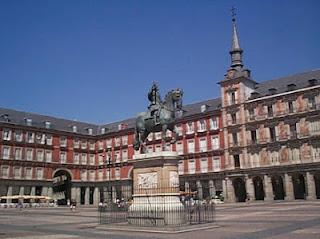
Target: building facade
258, 141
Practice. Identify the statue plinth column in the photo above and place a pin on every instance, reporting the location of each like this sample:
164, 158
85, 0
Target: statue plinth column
156, 187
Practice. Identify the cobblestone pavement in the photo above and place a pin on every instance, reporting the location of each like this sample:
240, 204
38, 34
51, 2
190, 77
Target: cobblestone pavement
299, 219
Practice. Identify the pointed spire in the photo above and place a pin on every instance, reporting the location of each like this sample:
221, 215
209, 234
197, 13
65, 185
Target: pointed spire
236, 51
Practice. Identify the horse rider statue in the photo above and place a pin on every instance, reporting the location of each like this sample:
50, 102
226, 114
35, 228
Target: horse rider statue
156, 103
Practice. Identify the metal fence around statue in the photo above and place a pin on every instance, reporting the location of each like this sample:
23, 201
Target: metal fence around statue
159, 213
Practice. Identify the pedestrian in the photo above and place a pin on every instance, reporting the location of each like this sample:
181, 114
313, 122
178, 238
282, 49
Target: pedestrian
247, 198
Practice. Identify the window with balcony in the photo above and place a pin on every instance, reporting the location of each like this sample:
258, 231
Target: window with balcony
100, 175
203, 145
125, 140
28, 173
49, 139
235, 139
251, 114
63, 141
124, 155
92, 159
215, 142
214, 123
40, 155
117, 157
117, 173
40, 138
29, 154
191, 146
18, 153
236, 159
17, 172
39, 173
290, 107
48, 156
4, 171
84, 159
253, 136
190, 129
76, 143
204, 165
5, 152
293, 131
83, 144
91, 145
18, 136
232, 96
117, 141
234, 118
270, 110
312, 102
272, 131
192, 166
6, 134
83, 175
30, 137
92, 175
179, 129
109, 143
181, 167
201, 125
216, 164
76, 158
63, 157
179, 147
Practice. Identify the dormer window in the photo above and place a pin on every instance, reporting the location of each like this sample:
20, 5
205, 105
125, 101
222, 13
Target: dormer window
74, 129
291, 87
254, 95
272, 91
203, 108
312, 82
90, 131
28, 121
103, 130
47, 124
5, 117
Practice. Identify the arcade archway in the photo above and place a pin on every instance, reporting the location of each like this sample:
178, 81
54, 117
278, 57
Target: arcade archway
62, 186
258, 188
277, 186
240, 189
299, 187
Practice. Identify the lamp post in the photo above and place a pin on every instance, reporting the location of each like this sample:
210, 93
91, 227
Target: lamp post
108, 163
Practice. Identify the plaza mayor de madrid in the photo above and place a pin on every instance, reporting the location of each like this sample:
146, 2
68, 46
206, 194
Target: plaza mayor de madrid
258, 140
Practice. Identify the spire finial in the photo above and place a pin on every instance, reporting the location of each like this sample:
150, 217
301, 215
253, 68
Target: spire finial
236, 52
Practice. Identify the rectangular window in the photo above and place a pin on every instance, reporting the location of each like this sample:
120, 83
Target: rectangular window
158, 148
124, 155
181, 167
6, 134
190, 129
49, 139
91, 145
117, 141
215, 142
312, 102
109, 143
158, 135
204, 165
214, 123
203, 145
236, 159
270, 111
235, 139
216, 164
125, 140
28, 174
17, 172
253, 136
30, 137
18, 153
18, 136
233, 118
179, 147
4, 171
84, 159
40, 155
76, 158
290, 107
48, 155
39, 173
83, 144
191, 146
192, 166
117, 173
272, 134
92, 159
233, 97
179, 129
5, 152
117, 156
29, 154
83, 175
293, 131
201, 125
63, 141
76, 143
92, 175
63, 157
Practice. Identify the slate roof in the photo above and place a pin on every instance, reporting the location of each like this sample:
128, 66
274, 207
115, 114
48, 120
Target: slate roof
301, 80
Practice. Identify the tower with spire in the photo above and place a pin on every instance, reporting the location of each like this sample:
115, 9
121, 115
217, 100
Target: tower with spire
236, 89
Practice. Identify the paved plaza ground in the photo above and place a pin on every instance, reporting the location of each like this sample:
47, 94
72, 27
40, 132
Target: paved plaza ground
299, 219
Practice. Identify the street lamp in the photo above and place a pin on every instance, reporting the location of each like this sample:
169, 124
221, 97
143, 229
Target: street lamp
108, 163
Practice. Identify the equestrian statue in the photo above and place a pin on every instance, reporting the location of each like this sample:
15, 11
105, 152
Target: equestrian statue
160, 116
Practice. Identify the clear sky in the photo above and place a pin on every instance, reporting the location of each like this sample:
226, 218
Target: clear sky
95, 60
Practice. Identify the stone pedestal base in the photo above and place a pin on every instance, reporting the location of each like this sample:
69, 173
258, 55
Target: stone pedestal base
165, 210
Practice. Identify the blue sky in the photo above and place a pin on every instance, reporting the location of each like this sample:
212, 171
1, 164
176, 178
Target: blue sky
94, 60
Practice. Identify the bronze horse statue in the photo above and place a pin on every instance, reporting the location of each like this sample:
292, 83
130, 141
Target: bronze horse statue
166, 114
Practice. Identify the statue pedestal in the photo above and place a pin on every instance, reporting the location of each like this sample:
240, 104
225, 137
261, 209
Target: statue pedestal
156, 199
